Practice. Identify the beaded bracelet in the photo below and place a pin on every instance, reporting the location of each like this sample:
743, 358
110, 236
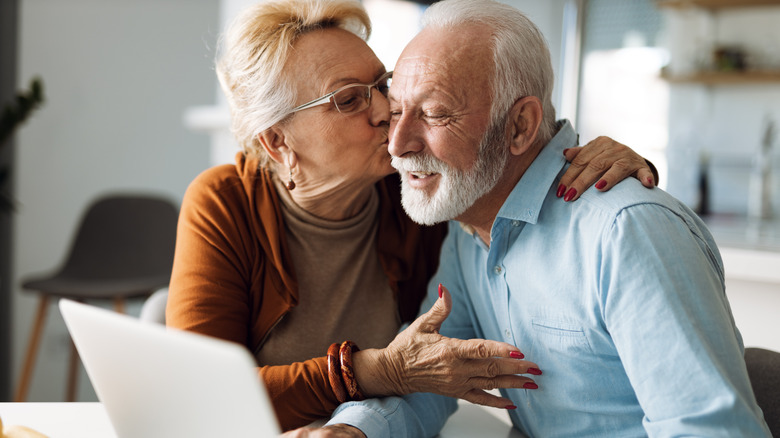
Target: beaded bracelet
334, 374
347, 371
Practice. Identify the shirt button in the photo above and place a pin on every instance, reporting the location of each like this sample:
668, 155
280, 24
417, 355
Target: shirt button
515, 223
508, 333
497, 270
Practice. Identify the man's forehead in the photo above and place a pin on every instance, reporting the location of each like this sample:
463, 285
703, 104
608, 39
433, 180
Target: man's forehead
442, 57
416, 66
421, 77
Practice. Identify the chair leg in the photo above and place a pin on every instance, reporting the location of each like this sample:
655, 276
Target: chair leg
32, 350
119, 305
73, 367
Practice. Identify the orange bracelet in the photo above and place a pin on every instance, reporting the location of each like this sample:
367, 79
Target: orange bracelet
334, 374
347, 371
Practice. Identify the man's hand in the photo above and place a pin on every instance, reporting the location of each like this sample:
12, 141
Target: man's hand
604, 162
333, 431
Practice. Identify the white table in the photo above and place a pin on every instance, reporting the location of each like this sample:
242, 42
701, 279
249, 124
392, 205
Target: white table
89, 420
60, 420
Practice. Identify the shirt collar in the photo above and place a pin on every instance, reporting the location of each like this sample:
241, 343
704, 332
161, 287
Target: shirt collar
525, 201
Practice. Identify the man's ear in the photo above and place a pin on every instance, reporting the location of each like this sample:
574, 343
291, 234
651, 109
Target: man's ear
274, 144
525, 117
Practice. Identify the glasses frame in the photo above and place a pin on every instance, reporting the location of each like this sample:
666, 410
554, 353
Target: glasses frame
327, 98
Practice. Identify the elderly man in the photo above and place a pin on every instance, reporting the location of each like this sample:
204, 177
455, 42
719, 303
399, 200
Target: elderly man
619, 297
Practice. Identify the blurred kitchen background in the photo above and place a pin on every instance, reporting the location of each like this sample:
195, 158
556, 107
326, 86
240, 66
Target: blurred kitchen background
132, 104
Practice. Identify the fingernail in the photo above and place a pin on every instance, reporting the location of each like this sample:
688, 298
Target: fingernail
440, 293
510, 407
570, 194
561, 189
535, 371
516, 355
601, 184
565, 150
650, 181
530, 385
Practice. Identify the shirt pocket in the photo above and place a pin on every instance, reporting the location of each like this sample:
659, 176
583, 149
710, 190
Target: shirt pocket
560, 336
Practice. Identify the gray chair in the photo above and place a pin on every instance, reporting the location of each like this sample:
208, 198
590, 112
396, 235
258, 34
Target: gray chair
763, 367
153, 309
123, 249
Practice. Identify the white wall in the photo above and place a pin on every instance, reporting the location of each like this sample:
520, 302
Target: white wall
118, 76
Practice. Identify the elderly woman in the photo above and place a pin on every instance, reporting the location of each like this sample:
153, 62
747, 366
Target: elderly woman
301, 251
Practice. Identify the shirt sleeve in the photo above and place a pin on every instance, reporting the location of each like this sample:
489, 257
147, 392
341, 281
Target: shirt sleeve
664, 303
419, 415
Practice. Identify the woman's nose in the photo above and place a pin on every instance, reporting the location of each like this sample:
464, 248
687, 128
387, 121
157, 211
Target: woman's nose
379, 107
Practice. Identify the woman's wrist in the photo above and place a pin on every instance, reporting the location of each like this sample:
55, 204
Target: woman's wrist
372, 373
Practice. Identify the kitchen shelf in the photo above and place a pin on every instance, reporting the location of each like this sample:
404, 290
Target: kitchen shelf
715, 4
725, 78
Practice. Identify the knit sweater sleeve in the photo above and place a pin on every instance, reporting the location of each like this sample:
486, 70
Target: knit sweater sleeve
300, 392
224, 285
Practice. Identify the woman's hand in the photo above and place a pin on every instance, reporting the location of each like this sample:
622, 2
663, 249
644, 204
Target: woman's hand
604, 162
333, 431
421, 360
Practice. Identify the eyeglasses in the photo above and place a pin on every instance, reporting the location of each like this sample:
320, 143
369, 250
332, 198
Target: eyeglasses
351, 98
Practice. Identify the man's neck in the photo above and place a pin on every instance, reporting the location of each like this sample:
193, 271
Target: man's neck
482, 214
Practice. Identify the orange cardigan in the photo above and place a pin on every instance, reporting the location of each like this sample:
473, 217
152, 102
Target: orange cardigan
233, 278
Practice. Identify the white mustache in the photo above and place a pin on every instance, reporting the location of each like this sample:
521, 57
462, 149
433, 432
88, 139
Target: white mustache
419, 164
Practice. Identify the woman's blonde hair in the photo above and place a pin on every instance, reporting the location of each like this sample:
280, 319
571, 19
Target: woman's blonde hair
255, 49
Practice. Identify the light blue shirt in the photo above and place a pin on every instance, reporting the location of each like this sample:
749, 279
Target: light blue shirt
619, 297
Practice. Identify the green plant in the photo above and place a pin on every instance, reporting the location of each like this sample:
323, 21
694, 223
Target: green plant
14, 114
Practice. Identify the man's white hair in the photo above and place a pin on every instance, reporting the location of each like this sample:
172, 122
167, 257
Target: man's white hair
520, 53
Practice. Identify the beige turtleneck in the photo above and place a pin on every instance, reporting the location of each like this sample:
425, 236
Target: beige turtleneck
343, 290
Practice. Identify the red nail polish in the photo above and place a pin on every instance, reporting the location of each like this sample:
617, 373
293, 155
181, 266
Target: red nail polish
565, 150
651, 181
561, 189
530, 385
516, 355
440, 293
601, 184
570, 194
535, 371
511, 407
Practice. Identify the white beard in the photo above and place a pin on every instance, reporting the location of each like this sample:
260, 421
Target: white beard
458, 189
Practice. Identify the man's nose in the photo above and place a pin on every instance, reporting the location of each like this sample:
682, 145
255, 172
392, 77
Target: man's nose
404, 136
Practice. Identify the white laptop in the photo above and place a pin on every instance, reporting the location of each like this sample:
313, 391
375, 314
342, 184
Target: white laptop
159, 382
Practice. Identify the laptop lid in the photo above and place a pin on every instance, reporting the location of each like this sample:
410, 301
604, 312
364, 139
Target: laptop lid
159, 382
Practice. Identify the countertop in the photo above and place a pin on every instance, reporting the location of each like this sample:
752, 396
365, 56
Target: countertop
750, 248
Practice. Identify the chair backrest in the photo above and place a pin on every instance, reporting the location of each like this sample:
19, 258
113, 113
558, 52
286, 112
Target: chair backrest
153, 309
124, 236
763, 367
